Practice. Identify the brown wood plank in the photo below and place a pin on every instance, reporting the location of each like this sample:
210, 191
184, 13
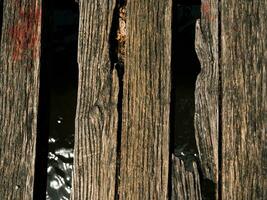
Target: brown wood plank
146, 101
19, 89
244, 79
207, 90
96, 117
185, 183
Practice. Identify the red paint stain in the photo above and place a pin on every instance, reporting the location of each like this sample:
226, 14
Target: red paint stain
24, 33
205, 8
206, 13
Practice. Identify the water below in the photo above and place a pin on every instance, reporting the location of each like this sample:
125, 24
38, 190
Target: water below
59, 80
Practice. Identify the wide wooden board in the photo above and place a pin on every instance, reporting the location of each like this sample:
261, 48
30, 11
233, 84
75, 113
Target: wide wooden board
244, 105
19, 89
96, 117
146, 101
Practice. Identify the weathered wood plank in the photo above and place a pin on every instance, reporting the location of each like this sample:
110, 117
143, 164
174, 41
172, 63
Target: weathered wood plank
19, 80
207, 90
244, 114
185, 184
146, 101
96, 116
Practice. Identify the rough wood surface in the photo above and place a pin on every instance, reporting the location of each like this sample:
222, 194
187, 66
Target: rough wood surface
185, 184
207, 90
146, 101
96, 117
19, 88
244, 119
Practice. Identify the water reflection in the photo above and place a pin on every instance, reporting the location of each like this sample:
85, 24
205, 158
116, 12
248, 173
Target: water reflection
59, 171
62, 77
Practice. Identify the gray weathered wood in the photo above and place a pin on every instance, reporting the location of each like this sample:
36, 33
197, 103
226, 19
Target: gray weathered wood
244, 116
207, 89
146, 101
19, 88
96, 117
185, 184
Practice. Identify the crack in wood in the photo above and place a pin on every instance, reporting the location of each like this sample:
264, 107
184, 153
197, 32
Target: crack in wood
117, 57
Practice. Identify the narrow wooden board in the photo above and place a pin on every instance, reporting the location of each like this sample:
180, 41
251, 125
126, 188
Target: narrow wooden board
244, 116
207, 90
146, 101
96, 116
19, 89
185, 184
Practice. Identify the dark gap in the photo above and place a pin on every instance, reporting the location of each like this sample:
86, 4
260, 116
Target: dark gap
57, 101
120, 70
185, 69
220, 139
43, 114
1, 18
208, 187
113, 43
117, 62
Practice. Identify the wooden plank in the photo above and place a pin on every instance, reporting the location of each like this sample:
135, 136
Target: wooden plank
146, 101
207, 90
185, 183
244, 119
19, 80
96, 116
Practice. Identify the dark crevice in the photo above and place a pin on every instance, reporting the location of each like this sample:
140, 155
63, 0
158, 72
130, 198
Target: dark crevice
57, 100
113, 43
116, 56
220, 139
208, 187
185, 69
120, 70
39, 191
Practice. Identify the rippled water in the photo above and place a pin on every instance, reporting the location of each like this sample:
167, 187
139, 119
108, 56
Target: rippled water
59, 171
61, 142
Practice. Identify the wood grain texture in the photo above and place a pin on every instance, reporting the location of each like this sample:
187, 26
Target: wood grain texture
207, 90
19, 81
244, 114
185, 184
146, 101
96, 116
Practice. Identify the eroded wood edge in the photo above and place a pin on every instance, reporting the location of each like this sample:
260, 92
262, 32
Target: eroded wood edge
207, 91
185, 183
